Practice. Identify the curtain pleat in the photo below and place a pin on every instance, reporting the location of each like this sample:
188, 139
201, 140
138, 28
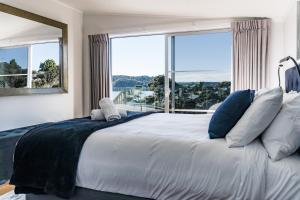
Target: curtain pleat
100, 71
250, 53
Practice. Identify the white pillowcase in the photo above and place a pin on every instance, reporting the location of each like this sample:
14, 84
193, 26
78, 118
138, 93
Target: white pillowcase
97, 114
256, 119
282, 138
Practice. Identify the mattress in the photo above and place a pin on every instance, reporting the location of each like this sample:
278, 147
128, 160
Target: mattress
169, 156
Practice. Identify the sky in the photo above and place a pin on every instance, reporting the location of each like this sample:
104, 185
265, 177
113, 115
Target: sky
20, 54
135, 56
40, 53
206, 57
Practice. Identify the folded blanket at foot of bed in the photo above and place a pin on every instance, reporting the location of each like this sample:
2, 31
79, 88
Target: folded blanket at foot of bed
46, 157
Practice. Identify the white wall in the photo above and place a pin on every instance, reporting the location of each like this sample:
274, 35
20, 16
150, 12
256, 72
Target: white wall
290, 31
21, 111
276, 52
283, 43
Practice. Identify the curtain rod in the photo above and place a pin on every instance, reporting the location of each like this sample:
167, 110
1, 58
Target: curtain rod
172, 33
174, 28
193, 26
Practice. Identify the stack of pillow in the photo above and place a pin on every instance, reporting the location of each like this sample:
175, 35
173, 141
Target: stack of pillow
243, 117
108, 111
282, 137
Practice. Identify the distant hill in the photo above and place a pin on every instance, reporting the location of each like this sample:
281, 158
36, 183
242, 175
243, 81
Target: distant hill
121, 81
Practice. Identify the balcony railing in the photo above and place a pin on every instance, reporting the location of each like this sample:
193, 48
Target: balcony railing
194, 97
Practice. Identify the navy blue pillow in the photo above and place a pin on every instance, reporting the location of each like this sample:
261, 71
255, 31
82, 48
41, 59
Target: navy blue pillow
229, 113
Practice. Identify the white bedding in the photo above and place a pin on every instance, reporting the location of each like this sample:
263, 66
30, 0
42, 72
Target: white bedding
169, 156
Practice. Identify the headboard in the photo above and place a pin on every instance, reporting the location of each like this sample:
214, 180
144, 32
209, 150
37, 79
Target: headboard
292, 80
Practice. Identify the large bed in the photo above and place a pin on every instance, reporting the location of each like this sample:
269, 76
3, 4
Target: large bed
156, 161
170, 156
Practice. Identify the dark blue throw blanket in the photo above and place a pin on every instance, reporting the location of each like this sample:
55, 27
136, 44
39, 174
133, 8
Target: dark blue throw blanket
46, 158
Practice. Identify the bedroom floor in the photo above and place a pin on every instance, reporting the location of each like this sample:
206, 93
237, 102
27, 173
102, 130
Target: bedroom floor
5, 188
12, 196
7, 193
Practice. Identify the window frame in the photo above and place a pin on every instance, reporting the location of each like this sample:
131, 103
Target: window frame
29, 60
167, 90
171, 51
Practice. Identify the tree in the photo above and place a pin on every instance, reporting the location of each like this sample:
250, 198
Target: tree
47, 75
13, 68
157, 81
50, 70
157, 86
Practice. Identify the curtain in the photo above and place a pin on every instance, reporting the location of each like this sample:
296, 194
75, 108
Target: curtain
100, 71
250, 53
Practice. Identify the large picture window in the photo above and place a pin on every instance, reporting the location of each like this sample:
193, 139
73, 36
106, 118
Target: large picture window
198, 67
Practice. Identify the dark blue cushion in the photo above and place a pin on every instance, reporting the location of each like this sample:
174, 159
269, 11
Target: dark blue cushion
229, 113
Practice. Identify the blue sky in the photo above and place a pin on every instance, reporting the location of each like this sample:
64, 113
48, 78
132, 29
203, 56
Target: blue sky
207, 56
136, 56
40, 52
20, 54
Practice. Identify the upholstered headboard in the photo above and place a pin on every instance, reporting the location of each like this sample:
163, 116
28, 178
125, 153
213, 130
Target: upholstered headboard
292, 80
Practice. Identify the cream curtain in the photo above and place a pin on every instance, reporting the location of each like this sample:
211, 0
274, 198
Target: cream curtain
100, 71
250, 53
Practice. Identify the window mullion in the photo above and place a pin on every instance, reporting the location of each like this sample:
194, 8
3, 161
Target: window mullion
173, 72
167, 90
29, 67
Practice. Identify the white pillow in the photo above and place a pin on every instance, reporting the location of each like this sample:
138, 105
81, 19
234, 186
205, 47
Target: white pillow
282, 138
256, 119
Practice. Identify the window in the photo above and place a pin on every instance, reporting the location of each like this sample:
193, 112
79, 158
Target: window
45, 65
198, 68
13, 67
138, 72
31, 66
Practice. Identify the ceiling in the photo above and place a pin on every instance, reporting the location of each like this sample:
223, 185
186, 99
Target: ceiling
208, 9
14, 27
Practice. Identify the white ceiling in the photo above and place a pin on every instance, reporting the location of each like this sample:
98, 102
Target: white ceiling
13, 27
209, 9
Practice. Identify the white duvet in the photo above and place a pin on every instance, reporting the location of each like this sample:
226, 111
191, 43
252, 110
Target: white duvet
169, 156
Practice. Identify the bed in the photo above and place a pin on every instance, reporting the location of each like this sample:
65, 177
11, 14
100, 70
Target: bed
157, 162
169, 156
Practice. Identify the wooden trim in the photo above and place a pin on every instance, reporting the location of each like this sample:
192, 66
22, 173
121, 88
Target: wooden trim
63, 71
31, 16
5, 188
